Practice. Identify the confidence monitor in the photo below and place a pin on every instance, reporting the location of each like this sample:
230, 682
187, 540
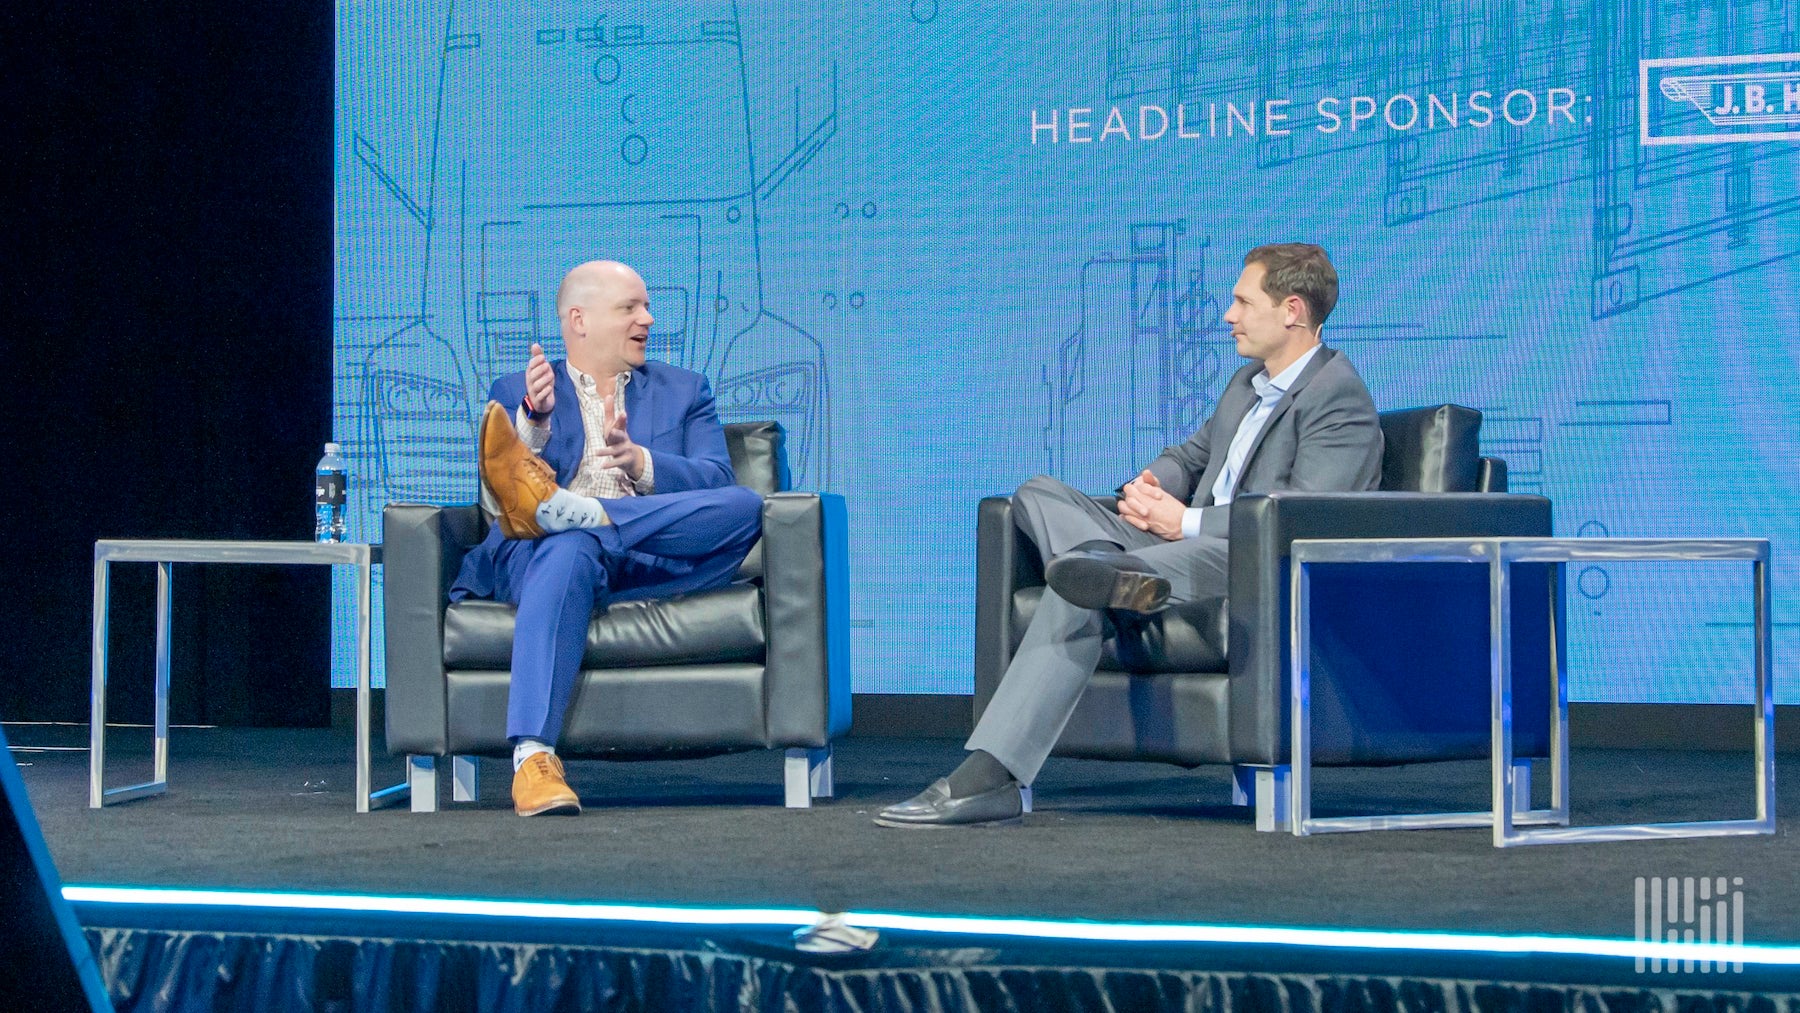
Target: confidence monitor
44, 963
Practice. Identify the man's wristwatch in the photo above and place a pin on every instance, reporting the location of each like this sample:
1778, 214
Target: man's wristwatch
532, 413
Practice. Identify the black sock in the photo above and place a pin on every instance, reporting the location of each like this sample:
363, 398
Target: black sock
979, 773
1098, 545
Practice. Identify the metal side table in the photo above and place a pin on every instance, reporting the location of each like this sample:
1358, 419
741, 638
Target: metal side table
1511, 809
167, 552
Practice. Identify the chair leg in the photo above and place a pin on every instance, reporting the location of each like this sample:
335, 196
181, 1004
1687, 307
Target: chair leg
1271, 788
421, 778
806, 775
1243, 784
820, 781
1522, 786
465, 778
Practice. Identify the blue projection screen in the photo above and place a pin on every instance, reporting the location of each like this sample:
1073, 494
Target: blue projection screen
952, 245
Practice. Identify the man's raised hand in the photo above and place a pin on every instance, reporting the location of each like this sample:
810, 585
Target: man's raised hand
540, 384
620, 451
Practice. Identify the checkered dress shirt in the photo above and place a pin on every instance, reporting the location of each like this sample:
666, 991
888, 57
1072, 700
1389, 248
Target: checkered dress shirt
591, 479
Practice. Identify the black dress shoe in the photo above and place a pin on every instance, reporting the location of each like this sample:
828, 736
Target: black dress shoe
934, 807
1107, 580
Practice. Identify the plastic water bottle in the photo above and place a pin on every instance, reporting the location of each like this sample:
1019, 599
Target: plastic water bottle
329, 484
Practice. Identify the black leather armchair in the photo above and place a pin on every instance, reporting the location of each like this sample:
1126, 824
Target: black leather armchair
1400, 662
762, 663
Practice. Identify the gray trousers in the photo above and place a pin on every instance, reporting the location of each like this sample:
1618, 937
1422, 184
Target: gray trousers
1063, 643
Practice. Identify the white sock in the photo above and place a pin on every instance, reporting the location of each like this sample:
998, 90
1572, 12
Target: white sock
524, 747
565, 511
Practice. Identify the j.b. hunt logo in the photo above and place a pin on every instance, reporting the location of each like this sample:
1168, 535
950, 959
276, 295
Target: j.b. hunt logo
1400, 112
1719, 99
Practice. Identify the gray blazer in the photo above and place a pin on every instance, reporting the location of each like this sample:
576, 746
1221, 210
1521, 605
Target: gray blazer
1323, 435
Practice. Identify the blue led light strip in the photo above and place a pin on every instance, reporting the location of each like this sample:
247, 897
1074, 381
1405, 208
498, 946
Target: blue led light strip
1026, 928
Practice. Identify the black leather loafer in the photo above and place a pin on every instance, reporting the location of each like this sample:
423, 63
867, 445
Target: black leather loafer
1107, 580
934, 807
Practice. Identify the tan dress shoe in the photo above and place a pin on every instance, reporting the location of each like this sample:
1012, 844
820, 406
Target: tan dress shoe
518, 479
540, 790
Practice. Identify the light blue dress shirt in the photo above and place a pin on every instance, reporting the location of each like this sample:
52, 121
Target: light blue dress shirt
1269, 393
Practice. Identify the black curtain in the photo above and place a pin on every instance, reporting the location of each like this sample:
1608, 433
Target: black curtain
168, 344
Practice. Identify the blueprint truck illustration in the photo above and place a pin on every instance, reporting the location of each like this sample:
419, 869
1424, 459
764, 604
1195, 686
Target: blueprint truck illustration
551, 137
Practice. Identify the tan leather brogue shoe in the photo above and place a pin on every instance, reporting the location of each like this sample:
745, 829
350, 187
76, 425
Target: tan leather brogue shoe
518, 479
540, 790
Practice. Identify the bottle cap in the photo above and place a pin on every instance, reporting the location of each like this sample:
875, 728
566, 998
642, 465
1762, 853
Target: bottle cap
331, 448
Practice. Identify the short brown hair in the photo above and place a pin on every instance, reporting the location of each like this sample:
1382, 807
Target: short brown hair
1300, 269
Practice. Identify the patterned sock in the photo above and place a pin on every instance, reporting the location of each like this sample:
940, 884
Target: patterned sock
565, 511
524, 746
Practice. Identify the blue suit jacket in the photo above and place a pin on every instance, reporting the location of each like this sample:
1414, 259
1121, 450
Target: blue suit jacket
668, 411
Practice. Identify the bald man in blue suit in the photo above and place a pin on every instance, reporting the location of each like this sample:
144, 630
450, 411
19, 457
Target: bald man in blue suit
607, 478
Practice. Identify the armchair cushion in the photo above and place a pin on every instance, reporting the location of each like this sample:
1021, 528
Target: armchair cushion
759, 460
1185, 638
717, 626
662, 712
1180, 718
1431, 449
758, 455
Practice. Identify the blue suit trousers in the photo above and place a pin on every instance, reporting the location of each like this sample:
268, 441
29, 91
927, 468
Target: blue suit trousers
655, 547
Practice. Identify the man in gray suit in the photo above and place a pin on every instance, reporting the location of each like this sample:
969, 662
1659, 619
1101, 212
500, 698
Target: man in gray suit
1296, 417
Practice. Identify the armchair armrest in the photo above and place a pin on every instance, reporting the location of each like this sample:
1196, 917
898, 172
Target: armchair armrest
1263, 528
422, 548
806, 589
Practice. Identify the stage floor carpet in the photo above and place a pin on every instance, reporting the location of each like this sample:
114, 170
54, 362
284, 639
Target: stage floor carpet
1109, 842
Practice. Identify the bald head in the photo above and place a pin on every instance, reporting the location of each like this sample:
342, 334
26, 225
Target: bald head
605, 313
585, 280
